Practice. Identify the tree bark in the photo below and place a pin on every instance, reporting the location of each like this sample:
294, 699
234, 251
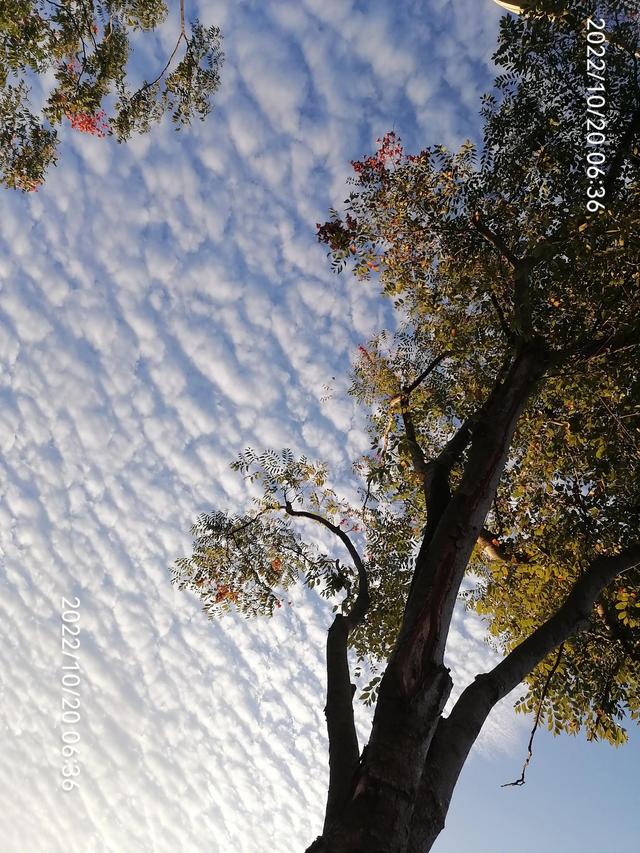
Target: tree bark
344, 753
457, 733
442, 562
378, 813
399, 794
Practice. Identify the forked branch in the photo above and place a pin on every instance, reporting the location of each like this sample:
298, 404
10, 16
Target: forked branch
457, 733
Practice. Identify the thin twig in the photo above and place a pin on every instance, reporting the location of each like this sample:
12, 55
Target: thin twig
521, 781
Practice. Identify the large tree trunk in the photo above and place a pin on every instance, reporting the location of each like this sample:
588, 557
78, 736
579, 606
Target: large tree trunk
384, 813
397, 799
377, 815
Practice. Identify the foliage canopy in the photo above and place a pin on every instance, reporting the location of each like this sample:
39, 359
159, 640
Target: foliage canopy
442, 231
85, 46
493, 261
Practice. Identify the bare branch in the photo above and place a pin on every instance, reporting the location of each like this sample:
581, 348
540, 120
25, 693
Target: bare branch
249, 521
543, 696
146, 86
361, 604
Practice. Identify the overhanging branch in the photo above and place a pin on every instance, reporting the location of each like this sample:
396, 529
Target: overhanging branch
568, 619
361, 604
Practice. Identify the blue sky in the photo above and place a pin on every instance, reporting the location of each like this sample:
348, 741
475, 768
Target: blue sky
163, 305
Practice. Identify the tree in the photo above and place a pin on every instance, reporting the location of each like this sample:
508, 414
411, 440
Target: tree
86, 46
505, 435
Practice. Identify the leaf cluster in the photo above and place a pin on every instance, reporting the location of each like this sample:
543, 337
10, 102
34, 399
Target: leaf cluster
86, 47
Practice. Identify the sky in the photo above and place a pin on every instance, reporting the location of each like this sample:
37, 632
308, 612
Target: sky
162, 306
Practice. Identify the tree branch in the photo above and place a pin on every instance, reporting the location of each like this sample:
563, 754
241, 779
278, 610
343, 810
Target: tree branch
457, 733
521, 780
361, 604
428, 369
454, 448
616, 163
494, 240
493, 549
417, 454
438, 474
568, 619
438, 493
603, 345
415, 451
441, 565
506, 330
522, 298
344, 750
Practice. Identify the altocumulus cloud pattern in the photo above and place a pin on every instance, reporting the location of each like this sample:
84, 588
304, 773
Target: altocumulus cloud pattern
162, 305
